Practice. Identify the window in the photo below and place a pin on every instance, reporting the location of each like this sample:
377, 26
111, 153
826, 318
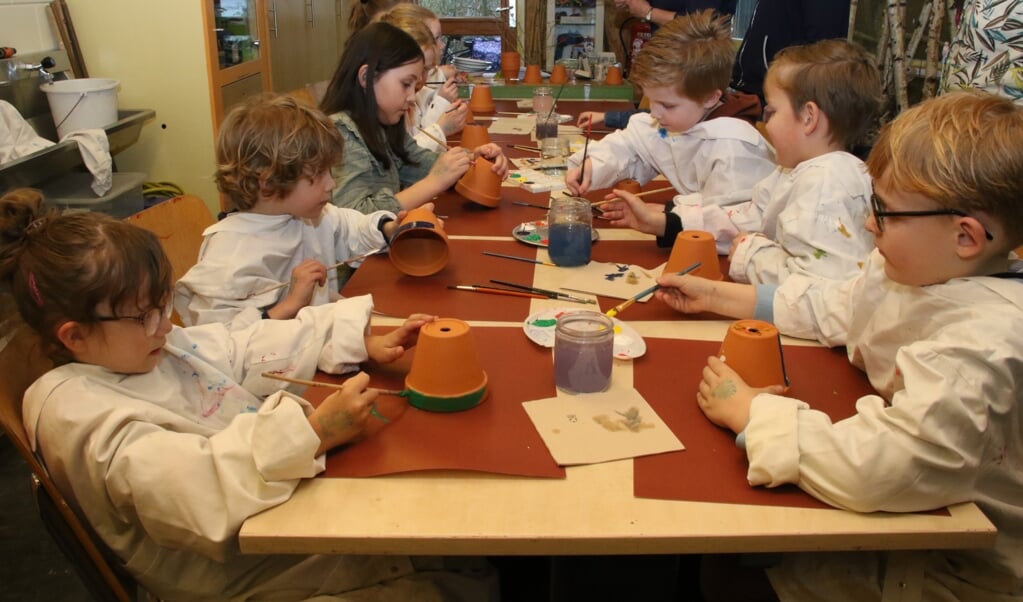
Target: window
473, 19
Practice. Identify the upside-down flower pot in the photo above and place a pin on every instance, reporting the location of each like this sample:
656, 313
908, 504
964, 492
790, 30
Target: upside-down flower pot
480, 184
753, 349
692, 246
446, 373
419, 246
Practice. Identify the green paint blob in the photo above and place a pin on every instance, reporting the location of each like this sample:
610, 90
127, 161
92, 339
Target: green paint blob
545, 323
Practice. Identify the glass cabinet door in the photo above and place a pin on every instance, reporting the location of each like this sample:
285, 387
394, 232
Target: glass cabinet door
236, 30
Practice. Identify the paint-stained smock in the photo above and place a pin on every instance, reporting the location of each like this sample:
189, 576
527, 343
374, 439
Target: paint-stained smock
167, 465
813, 222
714, 163
428, 109
946, 425
246, 253
362, 182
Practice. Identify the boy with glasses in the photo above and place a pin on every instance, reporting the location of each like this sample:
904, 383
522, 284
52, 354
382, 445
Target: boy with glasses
935, 319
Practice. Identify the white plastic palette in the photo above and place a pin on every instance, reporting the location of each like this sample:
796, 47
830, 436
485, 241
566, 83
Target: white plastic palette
539, 327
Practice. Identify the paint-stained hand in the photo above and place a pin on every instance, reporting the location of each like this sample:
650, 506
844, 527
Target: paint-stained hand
452, 121
342, 415
725, 398
387, 348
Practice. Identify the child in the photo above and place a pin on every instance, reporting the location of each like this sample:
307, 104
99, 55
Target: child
684, 71
935, 319
166, 439
437, 112
373, 87
273, 160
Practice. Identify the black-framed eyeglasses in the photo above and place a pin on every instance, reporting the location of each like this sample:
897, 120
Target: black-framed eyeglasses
880, 214
150, 320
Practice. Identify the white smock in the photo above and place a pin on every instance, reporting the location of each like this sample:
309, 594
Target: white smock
814, 222
245, 254
946, 426
714, 163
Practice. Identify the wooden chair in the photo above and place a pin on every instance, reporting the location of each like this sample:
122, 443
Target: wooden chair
178, 223
21, 362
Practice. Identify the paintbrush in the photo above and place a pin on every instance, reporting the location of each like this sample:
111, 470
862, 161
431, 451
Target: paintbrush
557, 96
560, 296
475, 288
516, 258
525, 148
312, 383
617, 309
522, 204
432, 137
640, 194
586, 147
329, 268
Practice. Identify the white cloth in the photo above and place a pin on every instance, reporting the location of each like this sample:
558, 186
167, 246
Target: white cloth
167, 465
813, 222
17, 138
714, 163
248, 253
428, 109
95, 149
946, 425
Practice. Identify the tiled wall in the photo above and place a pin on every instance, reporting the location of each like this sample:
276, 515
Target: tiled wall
25, 25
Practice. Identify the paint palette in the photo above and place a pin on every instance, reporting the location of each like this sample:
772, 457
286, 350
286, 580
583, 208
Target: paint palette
539, 327
535, 233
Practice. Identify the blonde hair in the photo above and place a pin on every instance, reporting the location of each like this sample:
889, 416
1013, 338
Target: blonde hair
411, 19
693, 52
267, 144
963, 150
838, 76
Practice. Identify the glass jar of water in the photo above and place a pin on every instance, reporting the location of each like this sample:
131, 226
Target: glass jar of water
583, 352
570, 231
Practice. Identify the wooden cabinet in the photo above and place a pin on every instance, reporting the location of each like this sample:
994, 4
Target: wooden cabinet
237, 58
305, 41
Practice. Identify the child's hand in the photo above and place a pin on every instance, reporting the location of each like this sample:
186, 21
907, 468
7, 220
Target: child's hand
588, 119
304, 279
342, 415
572, 179
449, 90
453, 120
725, 398
387, 348
631, 211
450, 166
493, 152
686, 294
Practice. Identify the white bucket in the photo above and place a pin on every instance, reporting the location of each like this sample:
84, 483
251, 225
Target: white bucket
82, 104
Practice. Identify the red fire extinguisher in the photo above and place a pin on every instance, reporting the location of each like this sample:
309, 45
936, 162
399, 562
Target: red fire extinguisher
639, 32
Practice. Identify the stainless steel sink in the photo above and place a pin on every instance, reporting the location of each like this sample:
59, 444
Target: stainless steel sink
55, 161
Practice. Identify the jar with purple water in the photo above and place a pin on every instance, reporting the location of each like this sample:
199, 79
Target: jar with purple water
583, 352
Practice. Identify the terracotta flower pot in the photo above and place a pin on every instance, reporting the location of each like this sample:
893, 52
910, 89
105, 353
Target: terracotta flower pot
419, 246
474, 135
480, 184
533, 75
614, 76
753, 349
511, 61
481, 100
446, 373
692, 246
629, 185
559, 74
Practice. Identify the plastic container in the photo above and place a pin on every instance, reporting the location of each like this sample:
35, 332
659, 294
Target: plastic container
73, 192
82, 104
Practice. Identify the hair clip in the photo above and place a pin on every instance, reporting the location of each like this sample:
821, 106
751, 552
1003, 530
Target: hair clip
35, 224
34, 290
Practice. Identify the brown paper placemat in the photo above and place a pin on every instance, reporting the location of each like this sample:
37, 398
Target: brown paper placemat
495, 436
712, 468
397, 294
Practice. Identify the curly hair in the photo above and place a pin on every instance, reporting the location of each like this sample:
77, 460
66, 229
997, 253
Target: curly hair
268, 144
60, 268
693, 53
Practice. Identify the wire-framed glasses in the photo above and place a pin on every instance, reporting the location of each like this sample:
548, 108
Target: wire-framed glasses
150, 320
880, 213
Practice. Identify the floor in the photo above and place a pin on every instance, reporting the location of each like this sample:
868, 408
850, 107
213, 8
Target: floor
32, 569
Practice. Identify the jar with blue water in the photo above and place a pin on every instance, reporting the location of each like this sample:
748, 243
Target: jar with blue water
569, 231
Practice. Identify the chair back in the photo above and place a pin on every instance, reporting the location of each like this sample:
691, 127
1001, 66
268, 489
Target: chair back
21, 362
178, 223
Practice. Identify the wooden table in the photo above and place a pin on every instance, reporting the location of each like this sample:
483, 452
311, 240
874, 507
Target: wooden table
591, 511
